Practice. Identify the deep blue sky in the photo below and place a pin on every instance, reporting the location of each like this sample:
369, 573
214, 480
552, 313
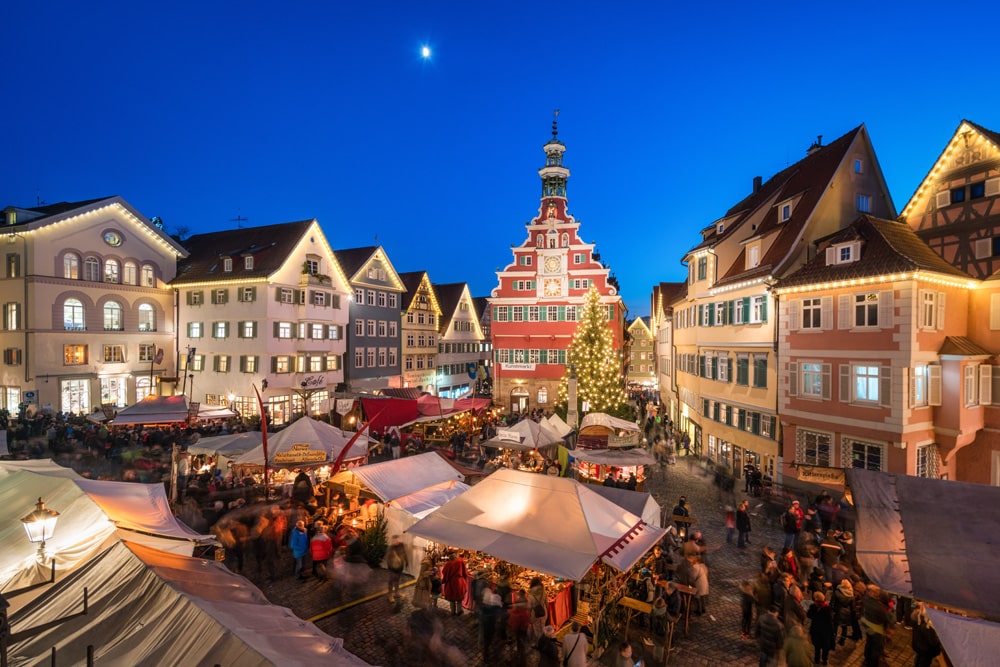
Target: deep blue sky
202, 112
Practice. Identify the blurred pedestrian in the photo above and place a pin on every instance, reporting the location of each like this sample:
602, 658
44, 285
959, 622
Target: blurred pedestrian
298, 541
396, 560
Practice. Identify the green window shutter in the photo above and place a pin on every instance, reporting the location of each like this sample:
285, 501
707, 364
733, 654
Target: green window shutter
746, 309
277, 294
276, 329
562, 313
524, 313
729, 311
215, 363
253, 294
243, 363
189, 297
189, 328
729, 368
705, 407
701, 314
253, 329
763, 309
239, 329
711, 314
755, 423
274, 364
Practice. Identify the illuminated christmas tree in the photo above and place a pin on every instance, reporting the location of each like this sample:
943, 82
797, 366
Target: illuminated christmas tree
596, 362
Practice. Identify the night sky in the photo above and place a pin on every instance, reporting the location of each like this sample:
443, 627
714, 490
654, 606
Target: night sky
204, 112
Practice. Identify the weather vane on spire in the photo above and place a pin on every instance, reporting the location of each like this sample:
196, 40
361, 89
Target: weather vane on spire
555, 124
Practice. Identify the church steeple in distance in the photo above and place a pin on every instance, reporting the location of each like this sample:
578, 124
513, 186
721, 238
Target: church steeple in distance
554, 175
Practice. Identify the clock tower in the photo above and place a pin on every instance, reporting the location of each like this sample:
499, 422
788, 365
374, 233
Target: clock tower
538, 295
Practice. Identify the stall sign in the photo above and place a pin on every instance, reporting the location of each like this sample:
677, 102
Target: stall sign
509, 366
628, 440
344, 405
300, 454
821, 475
508, 435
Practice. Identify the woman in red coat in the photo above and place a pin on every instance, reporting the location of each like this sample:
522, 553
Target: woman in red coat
454, 583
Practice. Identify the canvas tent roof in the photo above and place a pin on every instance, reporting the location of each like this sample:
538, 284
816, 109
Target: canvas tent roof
400, 477
599, 419
549, 524
154, 410
229, 446
640, 503
323, 445
420, 503
614, 457
531, 435
556, 423
900, 546
149, 607
215, 412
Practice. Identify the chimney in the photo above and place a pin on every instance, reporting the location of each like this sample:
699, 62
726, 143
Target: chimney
757, 182
816, 146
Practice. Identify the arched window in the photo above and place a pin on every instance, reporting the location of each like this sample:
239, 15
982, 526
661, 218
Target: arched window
73, 319
543, 396
130, 273
148, 276
565, 240
71, 266
147, 318
111, 274
143, 387
92, 269
113, 316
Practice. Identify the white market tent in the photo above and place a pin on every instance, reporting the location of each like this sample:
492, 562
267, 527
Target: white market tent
411, 487
640, 503
226, 448
90, 510
556, 423
206, 412
614, 457
900, 546
154, 410
525, 435
542, 522
608, 421
306, 442
393, 479
149, 607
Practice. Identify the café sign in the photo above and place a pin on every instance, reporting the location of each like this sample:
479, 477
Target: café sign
300, 454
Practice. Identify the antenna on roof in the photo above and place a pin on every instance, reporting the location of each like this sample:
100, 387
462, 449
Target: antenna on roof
239, 219
376, 239
41, 202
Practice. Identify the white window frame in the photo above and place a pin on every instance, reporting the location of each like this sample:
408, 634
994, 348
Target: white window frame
815, 441
970, 385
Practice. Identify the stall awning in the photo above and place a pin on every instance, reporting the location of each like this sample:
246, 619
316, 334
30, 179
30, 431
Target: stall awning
545, 523
393, 479
614, 457
154, 410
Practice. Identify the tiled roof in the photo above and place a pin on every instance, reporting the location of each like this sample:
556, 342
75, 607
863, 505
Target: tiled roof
352, 260
807, 179
270, 246
887, 247
962, 347
64, 206
481, 304
989, 134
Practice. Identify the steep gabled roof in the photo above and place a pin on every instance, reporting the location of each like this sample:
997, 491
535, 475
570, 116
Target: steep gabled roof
807, 180
887, 247
62, 207
270, 245
482, 306
448, 296
411, 282
927, 180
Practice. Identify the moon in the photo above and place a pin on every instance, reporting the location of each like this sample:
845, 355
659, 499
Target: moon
425, 52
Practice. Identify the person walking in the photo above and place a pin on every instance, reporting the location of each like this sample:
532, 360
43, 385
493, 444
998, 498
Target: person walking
321, 548
770, 638
925, 642
743, 524
298, 541
574, 647
396, 560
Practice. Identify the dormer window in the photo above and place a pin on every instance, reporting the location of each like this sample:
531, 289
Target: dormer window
785, 212
844, 253
719, 228
311, 266
227, 264
753, 256
248, 262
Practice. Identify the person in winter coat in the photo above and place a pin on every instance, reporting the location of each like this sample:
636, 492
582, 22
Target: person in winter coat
298, 541
822, 630
321, 548
538, 607
454, 583
925, 642
422, 586
770, 637
843, 608
743, 524
796, 648
396, 560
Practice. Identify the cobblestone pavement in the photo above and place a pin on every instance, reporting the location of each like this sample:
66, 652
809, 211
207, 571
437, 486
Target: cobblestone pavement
354, 605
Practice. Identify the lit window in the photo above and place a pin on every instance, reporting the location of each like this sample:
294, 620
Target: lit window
74, 355
147, 352
147, 317
114, 354
73, 319
866, 384
970, 387
543, 396
111, 271
812, 380
113, 316
148, 276
130, 275
92, 269
918, 387
71, 266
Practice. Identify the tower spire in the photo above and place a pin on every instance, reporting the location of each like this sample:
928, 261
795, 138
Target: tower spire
554, 174
555, 125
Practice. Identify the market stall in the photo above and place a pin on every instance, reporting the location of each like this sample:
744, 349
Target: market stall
306, 444
603, 431
226, 448
595, 465
521, 525
527, 445
154, 410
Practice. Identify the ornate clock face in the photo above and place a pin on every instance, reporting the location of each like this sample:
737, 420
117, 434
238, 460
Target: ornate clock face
552, 287
113, 239
552, 265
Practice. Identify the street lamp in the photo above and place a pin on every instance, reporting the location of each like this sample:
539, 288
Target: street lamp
39, 525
